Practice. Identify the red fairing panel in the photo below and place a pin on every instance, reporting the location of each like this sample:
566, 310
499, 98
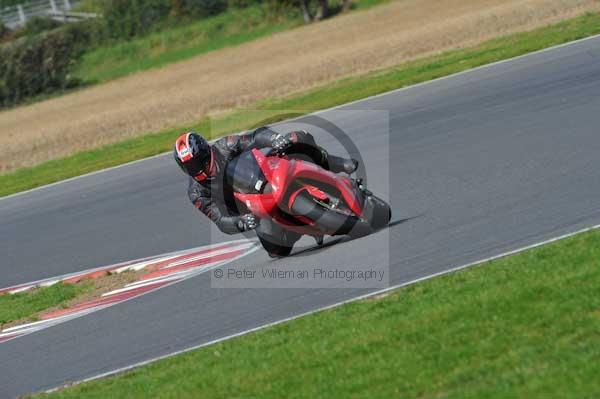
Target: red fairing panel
262, 205
306, 170
280, 172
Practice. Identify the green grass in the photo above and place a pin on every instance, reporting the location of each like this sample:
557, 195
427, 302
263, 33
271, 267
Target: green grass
525, 326
329, 95
27, 304
233, 27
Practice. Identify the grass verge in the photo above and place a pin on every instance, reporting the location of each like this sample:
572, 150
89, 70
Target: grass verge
326, 96
26, 305
233, 27
522, 326
16, 309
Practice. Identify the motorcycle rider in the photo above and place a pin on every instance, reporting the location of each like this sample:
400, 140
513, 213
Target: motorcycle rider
213, 196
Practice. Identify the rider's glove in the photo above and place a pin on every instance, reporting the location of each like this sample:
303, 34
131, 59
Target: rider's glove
280, 143
247, 222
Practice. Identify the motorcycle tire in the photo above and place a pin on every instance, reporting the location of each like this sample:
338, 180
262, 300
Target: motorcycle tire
275, 250
377, 212
327, 220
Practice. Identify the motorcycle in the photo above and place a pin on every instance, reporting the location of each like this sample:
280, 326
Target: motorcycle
302, 198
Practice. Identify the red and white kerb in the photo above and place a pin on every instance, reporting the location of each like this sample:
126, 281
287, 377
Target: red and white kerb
162, 270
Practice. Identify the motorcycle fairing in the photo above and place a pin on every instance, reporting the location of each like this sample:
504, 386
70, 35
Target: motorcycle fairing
280, 173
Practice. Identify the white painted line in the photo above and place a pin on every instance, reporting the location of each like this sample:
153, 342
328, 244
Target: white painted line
172, 276
45, 283
317, 310
182, 274
161, 258
141, 265
49, 283
22, 289
237, 245
141, 283
457, 74
206, 256
558, 46
36, 324
129, 287
43, 324
84, 176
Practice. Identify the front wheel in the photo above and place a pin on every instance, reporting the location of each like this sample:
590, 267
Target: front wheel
277, 241
328, 220
275, 250
377, 212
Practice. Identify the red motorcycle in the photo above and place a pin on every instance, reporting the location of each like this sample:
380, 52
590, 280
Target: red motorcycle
303, 198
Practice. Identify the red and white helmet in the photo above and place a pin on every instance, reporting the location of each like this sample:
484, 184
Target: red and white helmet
193, 155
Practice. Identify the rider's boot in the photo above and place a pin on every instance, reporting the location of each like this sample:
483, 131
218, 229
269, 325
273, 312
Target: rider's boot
339, 164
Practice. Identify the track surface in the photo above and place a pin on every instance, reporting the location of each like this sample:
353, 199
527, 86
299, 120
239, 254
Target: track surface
494, 159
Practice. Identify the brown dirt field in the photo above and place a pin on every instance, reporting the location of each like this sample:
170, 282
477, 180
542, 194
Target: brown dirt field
274, 66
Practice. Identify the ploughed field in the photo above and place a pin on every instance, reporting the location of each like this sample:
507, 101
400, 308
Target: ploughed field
182, 93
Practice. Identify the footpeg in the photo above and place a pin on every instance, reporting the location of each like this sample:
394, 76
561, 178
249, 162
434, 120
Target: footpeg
361, 187
319, 240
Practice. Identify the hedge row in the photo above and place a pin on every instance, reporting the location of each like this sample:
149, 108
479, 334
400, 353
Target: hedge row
39, 60
34, 65
128, 18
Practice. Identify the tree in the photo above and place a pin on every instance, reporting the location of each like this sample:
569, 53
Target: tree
322, 10
305, 5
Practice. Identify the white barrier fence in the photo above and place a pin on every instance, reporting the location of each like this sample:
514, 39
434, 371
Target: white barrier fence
59, 10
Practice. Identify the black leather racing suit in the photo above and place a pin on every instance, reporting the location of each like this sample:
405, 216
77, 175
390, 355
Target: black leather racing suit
214, 196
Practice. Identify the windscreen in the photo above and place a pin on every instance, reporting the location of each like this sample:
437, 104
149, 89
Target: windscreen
244, 174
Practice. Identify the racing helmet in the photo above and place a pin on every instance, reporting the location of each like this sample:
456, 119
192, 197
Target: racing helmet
193, 155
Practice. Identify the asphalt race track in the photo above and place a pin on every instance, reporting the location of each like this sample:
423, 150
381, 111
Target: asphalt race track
483, 162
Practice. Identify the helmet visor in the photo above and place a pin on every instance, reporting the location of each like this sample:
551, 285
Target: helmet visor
197, 164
